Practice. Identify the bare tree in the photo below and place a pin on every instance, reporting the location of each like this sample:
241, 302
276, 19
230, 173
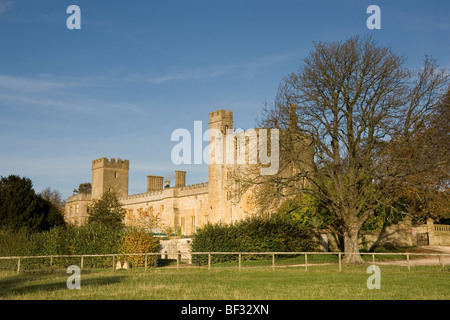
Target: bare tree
426, 192
347, 103
53, 196
148, 220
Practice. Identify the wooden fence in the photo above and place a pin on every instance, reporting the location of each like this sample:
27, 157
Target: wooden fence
376, 257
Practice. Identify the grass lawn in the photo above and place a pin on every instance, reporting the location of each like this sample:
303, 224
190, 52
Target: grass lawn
320, 282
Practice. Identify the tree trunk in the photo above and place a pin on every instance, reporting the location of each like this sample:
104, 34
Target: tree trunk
351, 249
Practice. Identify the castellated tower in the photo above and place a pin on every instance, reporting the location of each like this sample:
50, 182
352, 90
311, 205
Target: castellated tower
109, 175
219, 122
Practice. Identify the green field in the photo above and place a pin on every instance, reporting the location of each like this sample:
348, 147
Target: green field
320, 282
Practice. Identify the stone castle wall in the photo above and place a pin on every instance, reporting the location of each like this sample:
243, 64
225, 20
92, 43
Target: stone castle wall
179, 207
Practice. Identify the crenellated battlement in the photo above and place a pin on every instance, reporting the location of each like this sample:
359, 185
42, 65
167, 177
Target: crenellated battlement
112, 163
196, 186
220, 115
142, 195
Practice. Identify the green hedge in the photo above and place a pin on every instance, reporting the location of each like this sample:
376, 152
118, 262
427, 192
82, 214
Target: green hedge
258, 234
92, 239
88, 239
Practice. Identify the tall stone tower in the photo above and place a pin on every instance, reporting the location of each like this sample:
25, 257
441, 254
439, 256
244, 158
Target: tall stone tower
219, 122
109, 175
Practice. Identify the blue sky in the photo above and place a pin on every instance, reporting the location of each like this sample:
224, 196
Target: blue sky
139, 69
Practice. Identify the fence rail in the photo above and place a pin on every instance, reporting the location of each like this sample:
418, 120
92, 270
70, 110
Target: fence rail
205, 259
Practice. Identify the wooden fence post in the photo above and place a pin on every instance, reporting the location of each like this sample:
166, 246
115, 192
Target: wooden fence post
306, 262
407, 262
239, 262
18, 265
340, 267
273, 262
209, 261
145, 267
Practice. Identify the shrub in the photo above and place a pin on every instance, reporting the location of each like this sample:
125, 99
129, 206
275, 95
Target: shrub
96, 238
139, 241
12, 243
258, 234
63, 240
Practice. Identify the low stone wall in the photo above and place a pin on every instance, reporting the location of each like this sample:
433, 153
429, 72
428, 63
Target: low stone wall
402, 234
440, 239
435, 234
176, 245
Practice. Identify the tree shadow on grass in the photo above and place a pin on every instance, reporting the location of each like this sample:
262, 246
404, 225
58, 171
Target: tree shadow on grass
15, 286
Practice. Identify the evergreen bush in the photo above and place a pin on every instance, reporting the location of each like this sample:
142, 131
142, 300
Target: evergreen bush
257, 234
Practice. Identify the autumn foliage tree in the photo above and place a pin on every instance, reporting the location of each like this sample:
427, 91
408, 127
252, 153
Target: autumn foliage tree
139, 241
352, 100
425, 193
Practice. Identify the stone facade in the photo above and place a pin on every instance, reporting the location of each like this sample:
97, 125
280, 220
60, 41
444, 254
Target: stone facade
181, 208
431, 234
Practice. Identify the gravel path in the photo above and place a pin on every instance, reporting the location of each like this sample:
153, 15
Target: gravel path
426, 260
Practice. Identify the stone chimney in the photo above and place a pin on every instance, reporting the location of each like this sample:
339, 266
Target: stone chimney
180, 179
154, 183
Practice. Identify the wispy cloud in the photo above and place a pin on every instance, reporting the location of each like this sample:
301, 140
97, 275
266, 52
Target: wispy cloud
48, 93
415, 21
40, 83
200, 73
88, 106
5, 5
213, 71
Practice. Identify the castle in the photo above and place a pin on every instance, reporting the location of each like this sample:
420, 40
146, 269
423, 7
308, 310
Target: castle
180, 207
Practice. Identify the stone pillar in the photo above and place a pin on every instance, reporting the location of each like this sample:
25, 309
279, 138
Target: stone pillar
430, 231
